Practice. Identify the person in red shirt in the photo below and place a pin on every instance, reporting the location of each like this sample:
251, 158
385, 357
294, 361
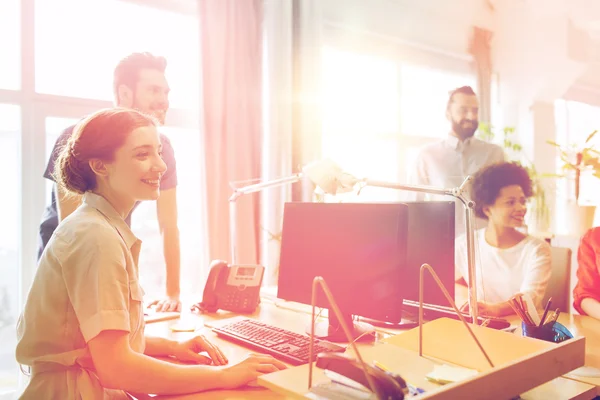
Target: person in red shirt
586, 295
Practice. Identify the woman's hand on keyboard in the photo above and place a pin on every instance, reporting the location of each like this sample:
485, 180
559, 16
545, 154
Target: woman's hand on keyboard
250, 369
189, 349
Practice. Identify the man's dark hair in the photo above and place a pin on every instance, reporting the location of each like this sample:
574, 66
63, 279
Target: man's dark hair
468, 90
127, 71
488, 182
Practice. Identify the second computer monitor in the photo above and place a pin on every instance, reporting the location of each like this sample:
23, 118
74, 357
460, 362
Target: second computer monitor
431, 235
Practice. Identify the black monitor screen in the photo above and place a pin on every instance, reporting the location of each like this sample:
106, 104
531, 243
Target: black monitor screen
430, 240
358, 248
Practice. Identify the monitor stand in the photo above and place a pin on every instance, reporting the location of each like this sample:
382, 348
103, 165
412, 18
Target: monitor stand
332, 331
403, 324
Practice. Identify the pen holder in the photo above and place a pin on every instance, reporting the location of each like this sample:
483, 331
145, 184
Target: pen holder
551, 332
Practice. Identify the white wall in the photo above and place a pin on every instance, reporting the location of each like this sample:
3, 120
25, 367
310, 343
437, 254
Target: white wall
439, 24
536, 51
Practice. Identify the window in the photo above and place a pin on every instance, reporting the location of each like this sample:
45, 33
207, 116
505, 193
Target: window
186, 143
10, 27
10, 127
360, 95
89, 49
378, 113
423, 100
574, 123
360, 117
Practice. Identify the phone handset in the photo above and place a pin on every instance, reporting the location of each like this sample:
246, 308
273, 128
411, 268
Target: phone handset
388, 385
209, 296
231, 287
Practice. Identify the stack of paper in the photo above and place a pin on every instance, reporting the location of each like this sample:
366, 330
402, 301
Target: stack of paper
443, 374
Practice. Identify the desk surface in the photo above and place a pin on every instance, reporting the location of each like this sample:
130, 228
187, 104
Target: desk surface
296, 319
578, 325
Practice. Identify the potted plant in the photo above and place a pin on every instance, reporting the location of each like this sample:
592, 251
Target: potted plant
578, 161
539, 217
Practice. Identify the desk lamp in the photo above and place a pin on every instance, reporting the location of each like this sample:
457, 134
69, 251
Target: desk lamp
325, 174
333, 180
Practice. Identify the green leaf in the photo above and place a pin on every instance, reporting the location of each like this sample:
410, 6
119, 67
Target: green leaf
553, 143
548, 175
591, 136
585, 156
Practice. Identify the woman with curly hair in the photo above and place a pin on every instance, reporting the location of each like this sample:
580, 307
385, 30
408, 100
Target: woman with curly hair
507, 261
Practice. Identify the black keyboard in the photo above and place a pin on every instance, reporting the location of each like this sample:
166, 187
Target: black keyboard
280, 343
431, 311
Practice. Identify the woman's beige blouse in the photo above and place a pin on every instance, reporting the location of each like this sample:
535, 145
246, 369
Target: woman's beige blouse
86, 282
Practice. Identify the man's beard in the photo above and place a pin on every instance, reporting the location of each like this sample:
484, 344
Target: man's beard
160, 118
463, 129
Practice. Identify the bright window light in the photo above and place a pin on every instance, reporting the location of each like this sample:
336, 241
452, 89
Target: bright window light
360, 117
360, 94
424, 95
10, 227
79, 43
10, 45
190, 201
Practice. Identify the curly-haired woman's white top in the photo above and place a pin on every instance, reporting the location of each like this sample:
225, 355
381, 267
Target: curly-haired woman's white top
501, 273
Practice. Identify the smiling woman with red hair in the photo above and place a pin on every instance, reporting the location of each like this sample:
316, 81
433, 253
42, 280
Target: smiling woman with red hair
507, 261
82, 329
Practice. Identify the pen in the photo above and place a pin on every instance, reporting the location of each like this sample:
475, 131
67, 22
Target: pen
548, 304
412, 389
381, 366
556, 314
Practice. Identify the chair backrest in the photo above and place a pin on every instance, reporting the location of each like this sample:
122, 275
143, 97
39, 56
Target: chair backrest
560, 281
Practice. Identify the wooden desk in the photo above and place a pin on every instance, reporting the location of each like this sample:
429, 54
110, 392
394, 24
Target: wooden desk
581, 325
578, 325
297, 321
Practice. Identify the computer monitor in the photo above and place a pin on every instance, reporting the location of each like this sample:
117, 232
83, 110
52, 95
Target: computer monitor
431, 234
358, 248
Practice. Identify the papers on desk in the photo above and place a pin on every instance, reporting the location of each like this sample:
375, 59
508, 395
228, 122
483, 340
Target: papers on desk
342, 380
340, 387
586, 372
151, 316
444, 374
335, 391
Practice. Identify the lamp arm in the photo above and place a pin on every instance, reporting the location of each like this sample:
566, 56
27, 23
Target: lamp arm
257, 187
410, 188
239, 192
468, 205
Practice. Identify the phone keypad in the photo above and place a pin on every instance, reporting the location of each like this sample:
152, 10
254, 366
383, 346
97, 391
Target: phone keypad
238, 302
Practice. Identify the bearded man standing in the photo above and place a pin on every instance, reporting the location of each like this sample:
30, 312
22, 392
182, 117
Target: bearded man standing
446, 163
